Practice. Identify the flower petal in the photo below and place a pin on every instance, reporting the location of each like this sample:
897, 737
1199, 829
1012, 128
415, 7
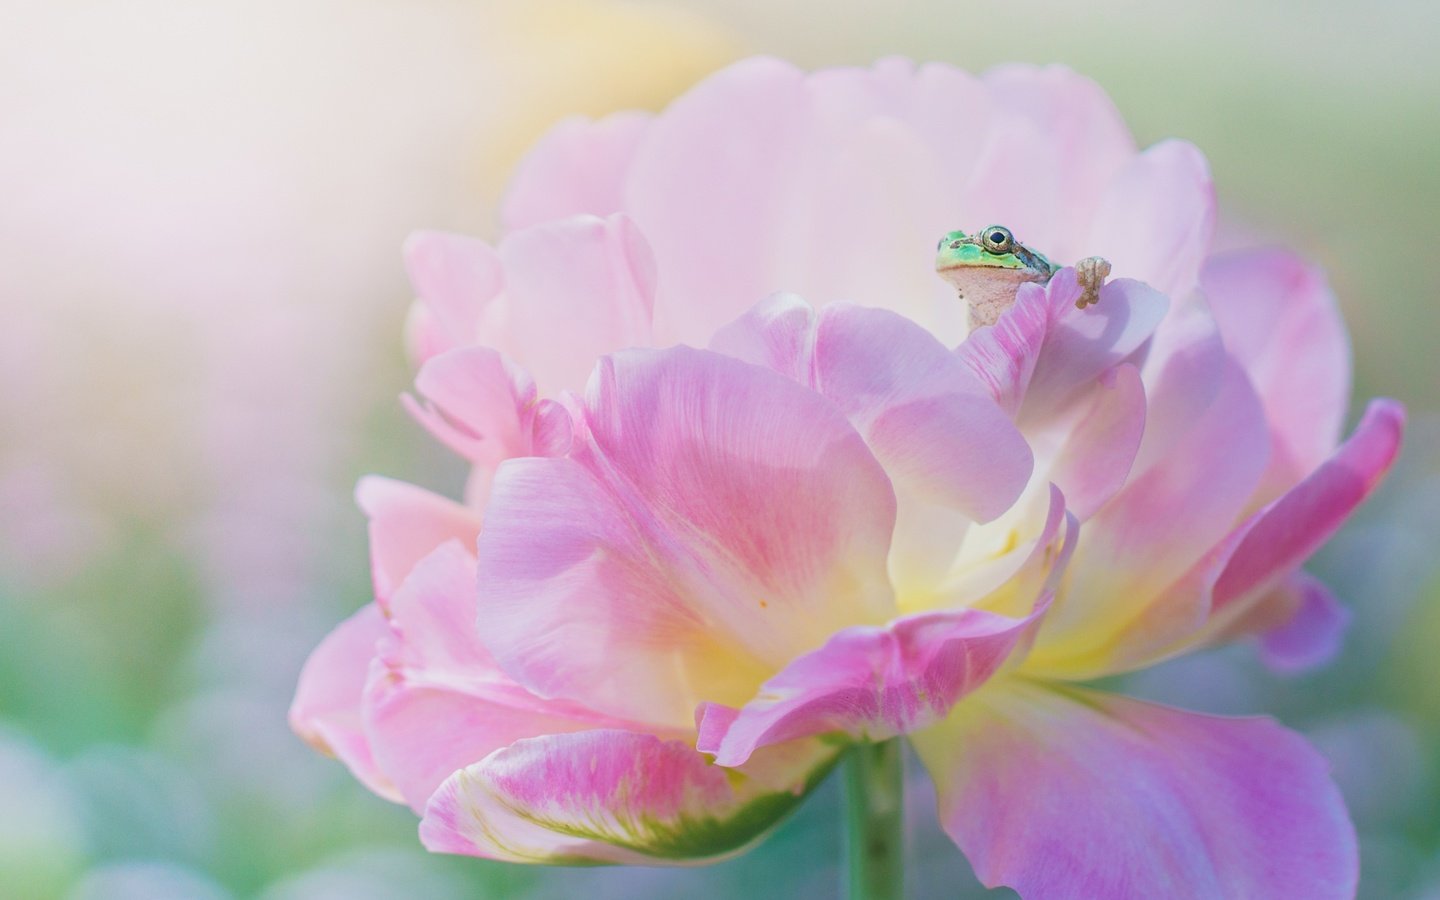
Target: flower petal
1157, 217
326, 708
476, 402
1003, 356
1007, 565
1038, 119
1292, 528
717, 521
579, 166
406, 524
1235, 589
1065, 793
1182, 371
616, 797
483, 406
868, 683
1279, 320
1100, 448
931, 424
1137, 546
1314, 631
1043, 352
455, 278
833, 185
575, 290
435, 701
1081, 345
929, 421
699, 187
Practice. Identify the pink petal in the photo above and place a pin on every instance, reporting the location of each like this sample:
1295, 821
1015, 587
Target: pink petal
616, 797
406, 524
1063, 131
1095, 460
1287, 532
576, 289
1279, 319
477, 402
868, 683
926, 417
1066, 793
484, 408
1236, 589
699, 188
1156, 219
455, 278
718, 521
1182, 374
1004, 355
1080, 345
435, 701
579, 166
1313, 633
326, 708
833, 185
1164, 521
1044, 352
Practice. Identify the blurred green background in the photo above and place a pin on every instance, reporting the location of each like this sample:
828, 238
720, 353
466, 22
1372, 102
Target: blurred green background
201, 207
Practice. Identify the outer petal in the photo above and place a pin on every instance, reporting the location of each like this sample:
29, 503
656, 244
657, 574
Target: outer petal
616, 797
575, 290
836, 185
928, 420
1279, 319
1157, 217
1065, 133
1182, 371
406, 524
1232, 590
868, 683
478, 403
1063, 793
1137, 546
455, 278
579, 166
326, 709
717, 521
1294, 527
763, 178
1314, 631
435, 701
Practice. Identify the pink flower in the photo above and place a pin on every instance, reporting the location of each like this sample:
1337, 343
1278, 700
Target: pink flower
702, 573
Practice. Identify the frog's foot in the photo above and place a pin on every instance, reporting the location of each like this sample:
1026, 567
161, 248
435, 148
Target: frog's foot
1091, 273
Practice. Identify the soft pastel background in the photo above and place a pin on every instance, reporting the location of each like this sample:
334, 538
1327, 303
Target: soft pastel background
201, 208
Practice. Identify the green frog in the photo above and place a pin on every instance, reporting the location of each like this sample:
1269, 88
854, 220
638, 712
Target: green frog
987, 269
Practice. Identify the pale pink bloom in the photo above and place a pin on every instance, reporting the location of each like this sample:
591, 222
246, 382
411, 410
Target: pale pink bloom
831, 525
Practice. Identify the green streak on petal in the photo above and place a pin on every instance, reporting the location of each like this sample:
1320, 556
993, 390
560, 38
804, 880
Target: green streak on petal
703, 838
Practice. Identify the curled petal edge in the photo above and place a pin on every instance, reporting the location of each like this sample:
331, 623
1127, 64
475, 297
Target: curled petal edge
617, 797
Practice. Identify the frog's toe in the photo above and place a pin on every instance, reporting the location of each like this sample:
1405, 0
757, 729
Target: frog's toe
1091, 273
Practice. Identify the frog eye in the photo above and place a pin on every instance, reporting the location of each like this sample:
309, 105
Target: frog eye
998, 239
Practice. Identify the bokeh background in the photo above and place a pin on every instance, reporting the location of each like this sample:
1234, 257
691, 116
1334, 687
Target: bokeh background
201, 209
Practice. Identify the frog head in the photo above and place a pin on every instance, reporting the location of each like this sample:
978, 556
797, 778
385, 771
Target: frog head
987, 268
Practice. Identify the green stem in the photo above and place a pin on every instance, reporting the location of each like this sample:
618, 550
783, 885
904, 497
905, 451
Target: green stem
875, 821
